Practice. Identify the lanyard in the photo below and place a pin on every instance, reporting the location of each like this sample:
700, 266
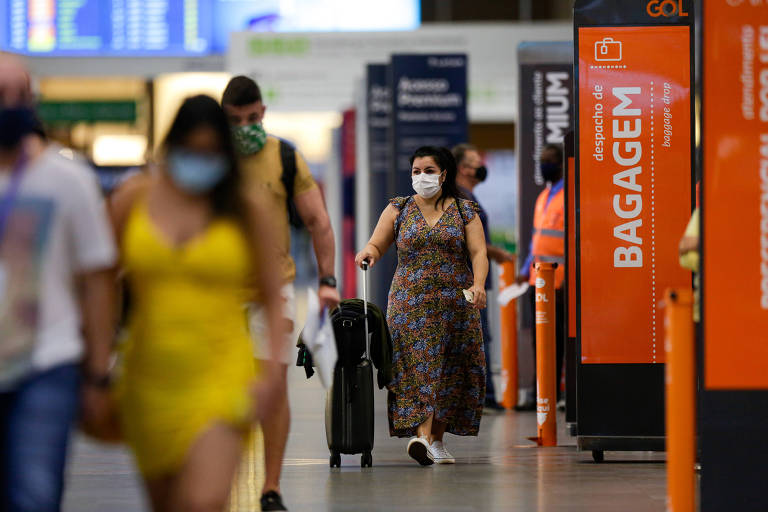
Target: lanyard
11, 194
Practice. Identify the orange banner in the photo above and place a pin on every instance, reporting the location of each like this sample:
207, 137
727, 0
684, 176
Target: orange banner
735, 201
634, 185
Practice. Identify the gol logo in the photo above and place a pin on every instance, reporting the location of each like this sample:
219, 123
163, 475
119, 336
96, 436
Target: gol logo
540, 282
665, 8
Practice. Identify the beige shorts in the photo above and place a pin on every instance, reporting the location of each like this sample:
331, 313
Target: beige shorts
257, 323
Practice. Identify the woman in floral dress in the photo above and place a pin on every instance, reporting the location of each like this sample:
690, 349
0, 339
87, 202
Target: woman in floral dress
439, 364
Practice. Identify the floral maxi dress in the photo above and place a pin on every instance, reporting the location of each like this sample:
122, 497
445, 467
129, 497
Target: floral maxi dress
439, 363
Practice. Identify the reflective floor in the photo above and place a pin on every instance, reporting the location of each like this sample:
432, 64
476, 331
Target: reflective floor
499, 470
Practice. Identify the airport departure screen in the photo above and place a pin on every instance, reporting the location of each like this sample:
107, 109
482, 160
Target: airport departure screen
91, 28
106, 27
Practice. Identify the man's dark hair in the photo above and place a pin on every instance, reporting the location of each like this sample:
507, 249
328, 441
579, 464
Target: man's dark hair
240, 91
460, 150
557, 148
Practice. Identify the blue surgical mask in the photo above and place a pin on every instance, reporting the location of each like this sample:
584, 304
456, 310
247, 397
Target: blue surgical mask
196, 172
15, 123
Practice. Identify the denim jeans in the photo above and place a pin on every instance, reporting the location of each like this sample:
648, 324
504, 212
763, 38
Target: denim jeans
35, 423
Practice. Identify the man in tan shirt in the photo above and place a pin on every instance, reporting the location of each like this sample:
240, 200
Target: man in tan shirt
262, 166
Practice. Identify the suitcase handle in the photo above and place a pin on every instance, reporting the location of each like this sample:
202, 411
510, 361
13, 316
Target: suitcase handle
365, 309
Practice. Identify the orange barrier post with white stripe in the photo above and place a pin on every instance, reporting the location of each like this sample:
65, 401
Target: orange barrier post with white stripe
508, 339
680, 401
546, 387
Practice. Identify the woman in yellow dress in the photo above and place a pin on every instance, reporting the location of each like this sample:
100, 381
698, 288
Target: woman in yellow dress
190, 245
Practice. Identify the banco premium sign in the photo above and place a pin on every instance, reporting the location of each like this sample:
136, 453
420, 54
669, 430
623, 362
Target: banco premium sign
551, 111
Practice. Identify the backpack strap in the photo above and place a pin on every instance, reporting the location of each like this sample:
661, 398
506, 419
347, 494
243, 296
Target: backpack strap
461, 214
464, 225
288, 178
399, 220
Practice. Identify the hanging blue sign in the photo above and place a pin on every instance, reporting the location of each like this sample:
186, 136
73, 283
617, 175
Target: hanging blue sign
379, 124
429, 107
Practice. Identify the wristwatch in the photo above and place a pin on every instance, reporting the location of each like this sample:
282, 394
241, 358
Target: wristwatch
103, 381
328, 281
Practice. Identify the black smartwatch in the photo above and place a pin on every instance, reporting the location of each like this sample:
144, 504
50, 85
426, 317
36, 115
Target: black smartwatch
328, 281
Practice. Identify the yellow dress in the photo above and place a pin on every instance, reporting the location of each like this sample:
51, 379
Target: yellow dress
187, 362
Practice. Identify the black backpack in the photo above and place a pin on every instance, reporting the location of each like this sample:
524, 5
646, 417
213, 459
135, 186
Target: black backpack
288, 178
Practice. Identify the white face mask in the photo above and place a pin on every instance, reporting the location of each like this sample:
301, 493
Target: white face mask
426, 185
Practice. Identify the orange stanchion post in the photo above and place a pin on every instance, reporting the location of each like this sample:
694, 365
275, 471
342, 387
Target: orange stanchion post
546, 387
508, 339
680, 401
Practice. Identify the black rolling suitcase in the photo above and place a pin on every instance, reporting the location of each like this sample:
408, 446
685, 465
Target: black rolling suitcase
349, 405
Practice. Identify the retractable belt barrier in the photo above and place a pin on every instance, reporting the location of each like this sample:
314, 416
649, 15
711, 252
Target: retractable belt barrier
681, 400
546, 387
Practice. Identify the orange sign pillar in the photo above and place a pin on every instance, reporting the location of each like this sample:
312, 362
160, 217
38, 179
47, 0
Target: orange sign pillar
681, 401
508, 339
546, 387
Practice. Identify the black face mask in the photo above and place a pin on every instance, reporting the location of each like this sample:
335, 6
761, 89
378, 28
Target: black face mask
481, 173
549, 171
15, 123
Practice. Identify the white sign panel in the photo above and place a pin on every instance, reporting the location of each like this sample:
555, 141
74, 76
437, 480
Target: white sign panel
318, 71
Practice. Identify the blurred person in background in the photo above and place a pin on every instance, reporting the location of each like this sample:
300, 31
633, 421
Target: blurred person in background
270, 167
689, 254
190, 244
56, 302
472, 172
433, 311
548, 246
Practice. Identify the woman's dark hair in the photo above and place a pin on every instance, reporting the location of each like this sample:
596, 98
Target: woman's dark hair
226, 197
445, 161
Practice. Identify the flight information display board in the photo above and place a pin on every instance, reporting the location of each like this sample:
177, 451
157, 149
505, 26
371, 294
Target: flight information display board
181, 27
106, 27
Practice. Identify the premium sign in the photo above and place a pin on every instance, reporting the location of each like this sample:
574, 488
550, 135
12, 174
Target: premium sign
546, 115
634, 184
429, 107
735, 203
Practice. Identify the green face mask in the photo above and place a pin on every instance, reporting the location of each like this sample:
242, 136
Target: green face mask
249, 139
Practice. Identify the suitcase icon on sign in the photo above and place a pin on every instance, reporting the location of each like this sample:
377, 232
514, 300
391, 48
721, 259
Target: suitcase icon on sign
608, 50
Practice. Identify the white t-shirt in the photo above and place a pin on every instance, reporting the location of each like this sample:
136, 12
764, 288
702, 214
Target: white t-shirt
61, 216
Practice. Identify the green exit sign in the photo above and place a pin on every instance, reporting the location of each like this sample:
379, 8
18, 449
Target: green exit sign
87, 111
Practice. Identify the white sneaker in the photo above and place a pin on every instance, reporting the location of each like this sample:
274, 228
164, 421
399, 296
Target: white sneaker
418, 449
440, 454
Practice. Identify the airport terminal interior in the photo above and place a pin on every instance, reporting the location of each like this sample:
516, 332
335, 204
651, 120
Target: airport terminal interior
189, 186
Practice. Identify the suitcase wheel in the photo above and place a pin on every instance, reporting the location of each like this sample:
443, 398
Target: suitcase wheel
366, 460
335, 460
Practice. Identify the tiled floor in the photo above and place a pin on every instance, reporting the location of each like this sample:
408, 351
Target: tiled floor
500, 470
